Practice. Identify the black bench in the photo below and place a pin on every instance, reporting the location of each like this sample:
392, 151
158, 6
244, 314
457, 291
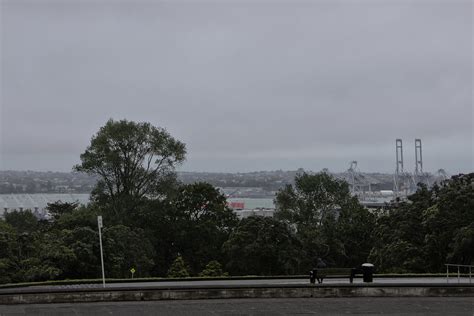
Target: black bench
320, 273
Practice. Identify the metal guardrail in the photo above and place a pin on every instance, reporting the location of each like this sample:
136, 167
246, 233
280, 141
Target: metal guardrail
459, 266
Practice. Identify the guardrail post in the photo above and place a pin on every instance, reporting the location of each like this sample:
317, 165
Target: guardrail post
459, 266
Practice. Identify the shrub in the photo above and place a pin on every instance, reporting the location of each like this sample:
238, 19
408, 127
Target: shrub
178, 269
213, 269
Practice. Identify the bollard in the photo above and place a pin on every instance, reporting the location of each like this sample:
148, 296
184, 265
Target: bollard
312, 278
368, 272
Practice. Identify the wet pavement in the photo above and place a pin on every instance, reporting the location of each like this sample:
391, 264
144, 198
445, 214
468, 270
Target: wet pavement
308, 306
262, 282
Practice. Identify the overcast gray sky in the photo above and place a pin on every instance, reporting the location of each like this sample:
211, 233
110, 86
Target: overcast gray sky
247, 85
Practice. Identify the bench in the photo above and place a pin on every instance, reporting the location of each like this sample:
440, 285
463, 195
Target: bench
320, 273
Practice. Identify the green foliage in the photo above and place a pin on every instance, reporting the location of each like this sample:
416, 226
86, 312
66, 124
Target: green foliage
34, 270
132, 160
8, 253
204, 223
399, 235
22, 221
462, 245
329, 222
151, 222
192, 221
55, 252
6, 267
125, 247
448, 219
262, 246
161, 226
80, 217
354, 233
58, 208
178, 269
312, 199
84, 244
213, 269
432, 228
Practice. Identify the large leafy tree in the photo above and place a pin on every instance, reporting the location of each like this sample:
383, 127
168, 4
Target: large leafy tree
399, 235
132, 160
312, 199
329, 221
203, 222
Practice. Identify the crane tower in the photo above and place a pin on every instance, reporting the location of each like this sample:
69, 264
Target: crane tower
403, 182
419, 176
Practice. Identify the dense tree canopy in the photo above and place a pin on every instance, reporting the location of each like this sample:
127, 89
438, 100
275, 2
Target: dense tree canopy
330, 223
262, 246
400, 236
59, 208
8, 253
127, 248
205, 223
24, 222
188, 229
432, 228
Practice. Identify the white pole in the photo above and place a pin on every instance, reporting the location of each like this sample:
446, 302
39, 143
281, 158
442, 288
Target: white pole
99, 222
447, 274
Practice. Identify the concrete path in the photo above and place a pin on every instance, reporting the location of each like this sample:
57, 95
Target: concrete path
439, 280
319, 306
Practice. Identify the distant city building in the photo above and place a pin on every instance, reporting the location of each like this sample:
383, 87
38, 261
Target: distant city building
245, 207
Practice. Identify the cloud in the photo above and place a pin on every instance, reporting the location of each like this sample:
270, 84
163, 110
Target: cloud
285, 84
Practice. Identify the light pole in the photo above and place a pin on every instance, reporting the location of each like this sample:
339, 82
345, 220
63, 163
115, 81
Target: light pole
99, 223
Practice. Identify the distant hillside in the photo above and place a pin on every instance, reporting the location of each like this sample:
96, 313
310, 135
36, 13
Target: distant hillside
264, 183
45, 182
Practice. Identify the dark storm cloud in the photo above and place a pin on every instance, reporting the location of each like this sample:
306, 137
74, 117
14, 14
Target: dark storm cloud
247, 85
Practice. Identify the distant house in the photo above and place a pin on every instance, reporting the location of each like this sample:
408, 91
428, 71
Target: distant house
245, 207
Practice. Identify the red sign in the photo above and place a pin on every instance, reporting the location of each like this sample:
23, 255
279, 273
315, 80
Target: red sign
237, 205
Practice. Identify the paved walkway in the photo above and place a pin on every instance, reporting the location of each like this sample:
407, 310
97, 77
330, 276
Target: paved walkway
316, 306
439, 280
